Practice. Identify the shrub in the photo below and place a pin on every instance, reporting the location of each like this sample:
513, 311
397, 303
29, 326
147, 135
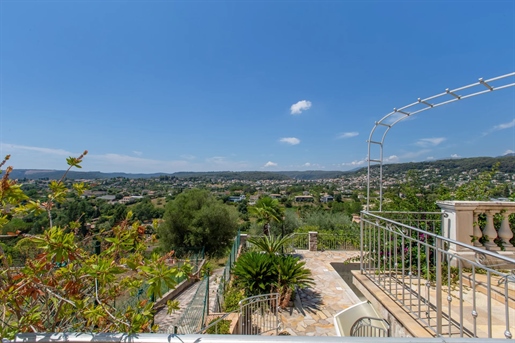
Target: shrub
222, 328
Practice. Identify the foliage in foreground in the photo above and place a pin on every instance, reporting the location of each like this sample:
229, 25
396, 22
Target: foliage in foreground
65, 287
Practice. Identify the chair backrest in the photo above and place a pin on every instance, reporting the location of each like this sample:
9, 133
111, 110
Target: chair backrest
344, 321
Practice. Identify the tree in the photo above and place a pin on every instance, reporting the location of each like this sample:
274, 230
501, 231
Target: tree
197, 219
266, 211
481, 188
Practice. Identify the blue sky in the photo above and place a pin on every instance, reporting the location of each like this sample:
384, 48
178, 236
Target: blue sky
165, 86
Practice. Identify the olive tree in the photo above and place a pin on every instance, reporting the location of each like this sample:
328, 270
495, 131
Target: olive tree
195, 218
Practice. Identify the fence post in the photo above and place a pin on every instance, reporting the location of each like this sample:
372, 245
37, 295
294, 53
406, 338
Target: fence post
313, 240
207, 295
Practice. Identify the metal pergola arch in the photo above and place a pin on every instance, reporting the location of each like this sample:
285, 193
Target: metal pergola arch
421, 105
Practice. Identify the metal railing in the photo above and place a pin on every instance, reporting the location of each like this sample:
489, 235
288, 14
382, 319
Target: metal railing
193, 318
259, 315
370, 327
427, 221
445, 284
226, 274
196, 338
256, 315
217, 323
333, 241
299, 241
125, 300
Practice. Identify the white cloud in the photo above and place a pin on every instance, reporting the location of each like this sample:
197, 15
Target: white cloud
139, 153
391, 159
307, 164
347, 135
290, 140
12, 148
188, 157
300, 106
455, 156
355, 163
424, 142
270, 164
508, 152
414, 154
430, 158
504, 126
396, 116
28, 157
216, 160
500, 127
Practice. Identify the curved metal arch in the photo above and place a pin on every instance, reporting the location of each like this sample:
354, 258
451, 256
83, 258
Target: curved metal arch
421, 105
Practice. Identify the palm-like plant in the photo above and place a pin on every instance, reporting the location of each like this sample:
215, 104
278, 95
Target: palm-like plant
271, 244
291, 273
254, 272
267, 210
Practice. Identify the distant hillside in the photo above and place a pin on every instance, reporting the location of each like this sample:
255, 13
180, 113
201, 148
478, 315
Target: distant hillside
454, 166
507, 165
56, 174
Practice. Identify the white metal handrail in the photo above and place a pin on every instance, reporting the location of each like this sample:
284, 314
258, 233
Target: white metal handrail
165, 338
426, 272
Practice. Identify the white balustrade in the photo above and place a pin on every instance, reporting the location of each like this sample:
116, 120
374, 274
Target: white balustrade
463, 221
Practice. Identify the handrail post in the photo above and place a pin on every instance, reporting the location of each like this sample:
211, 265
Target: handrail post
438, 252
361, 224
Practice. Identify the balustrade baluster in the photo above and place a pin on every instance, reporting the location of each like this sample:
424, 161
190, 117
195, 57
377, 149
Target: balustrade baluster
477, 231
505, 232
489, 232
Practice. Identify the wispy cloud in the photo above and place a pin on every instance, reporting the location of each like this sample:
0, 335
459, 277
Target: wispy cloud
138, 153
290, 140
270, 164
12, 148
300, 106
27, 157
430, 158
508, 152
504, 126
391, 159
500, 127
224, 163
347, 135
455, 156
355, 163
394, 117
426, 142
413, 154
188, 157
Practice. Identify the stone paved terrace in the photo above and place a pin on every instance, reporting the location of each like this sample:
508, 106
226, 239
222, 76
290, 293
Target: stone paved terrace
313, 315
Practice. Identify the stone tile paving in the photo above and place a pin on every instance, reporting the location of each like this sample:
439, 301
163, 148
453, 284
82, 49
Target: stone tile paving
315, 307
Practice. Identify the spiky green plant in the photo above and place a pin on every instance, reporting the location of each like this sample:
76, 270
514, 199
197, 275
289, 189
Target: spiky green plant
291, 273
254, 272
271, 244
